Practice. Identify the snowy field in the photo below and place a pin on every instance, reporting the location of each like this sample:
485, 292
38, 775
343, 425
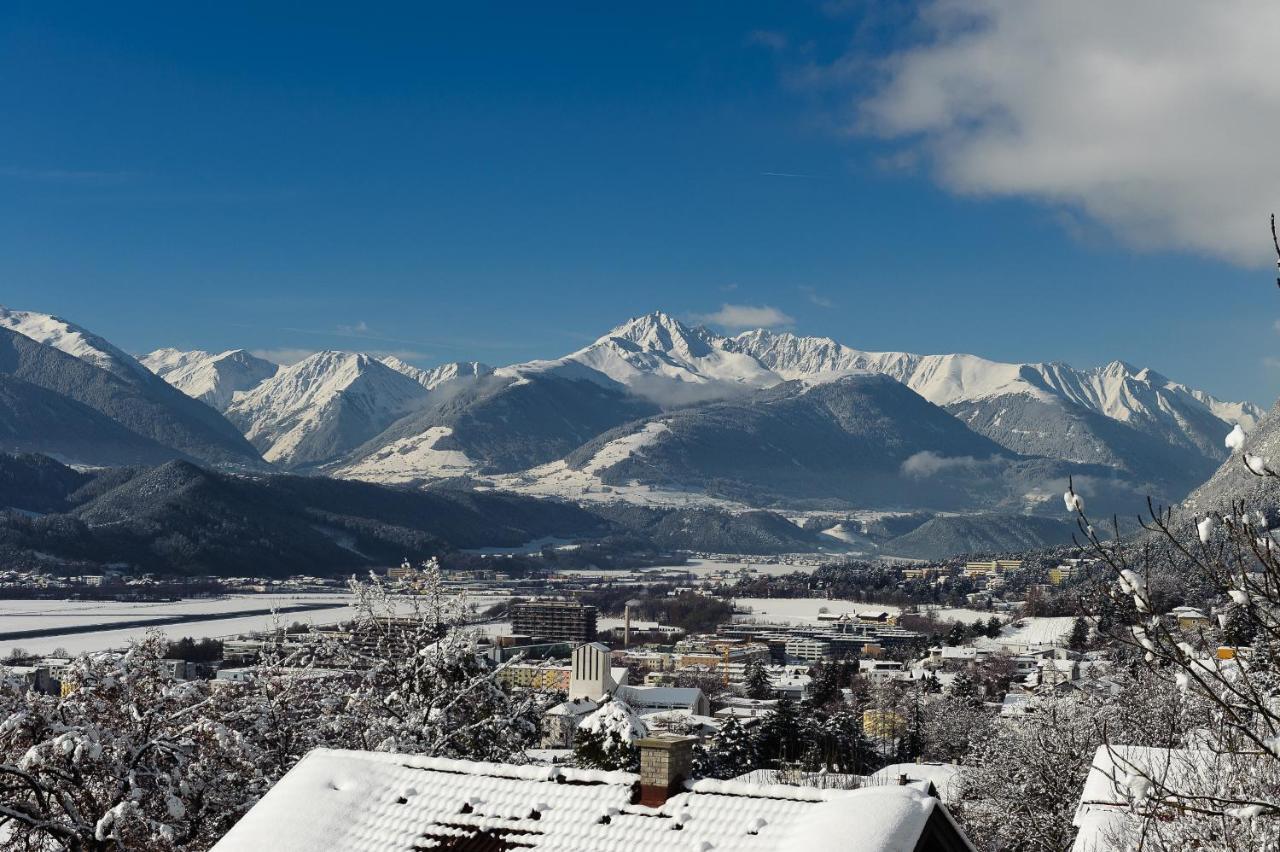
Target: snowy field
700, 569
953, 613
39, 615
1045, 630
804, 610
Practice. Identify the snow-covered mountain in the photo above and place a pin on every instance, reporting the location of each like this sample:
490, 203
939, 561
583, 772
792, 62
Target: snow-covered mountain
441, 375
81, 399
212, 378
73, 340
658, 357
322, 407
1163, 432
1163, 436
1117, 414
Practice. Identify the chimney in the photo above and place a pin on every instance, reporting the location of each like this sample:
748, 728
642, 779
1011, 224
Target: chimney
902, 779
665, 762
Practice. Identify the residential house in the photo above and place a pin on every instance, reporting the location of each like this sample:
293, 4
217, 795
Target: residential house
379, 802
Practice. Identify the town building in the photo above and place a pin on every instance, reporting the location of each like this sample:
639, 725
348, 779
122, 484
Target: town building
564, 621
379, 802
542, 677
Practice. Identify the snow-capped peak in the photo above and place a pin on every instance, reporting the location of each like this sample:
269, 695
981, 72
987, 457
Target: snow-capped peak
213, 378
324, 405
436, 376
73, 340
650, 353
659, 332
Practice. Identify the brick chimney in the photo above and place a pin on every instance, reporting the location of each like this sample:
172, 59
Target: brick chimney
665, 762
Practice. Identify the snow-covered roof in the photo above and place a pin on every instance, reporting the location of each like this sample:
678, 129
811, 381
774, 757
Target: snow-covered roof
1120, 775
377, 802
660, 696
945, 777
577, 707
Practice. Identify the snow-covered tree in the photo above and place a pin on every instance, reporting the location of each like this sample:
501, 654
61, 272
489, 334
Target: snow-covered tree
606, 738
964, 687
127, 759
1234, 553
949, 726
730, 753
826, 684
1023, 779
424, 688
837, 744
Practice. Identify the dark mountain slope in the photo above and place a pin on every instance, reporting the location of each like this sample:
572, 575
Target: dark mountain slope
37, 483
138, 401
34, 419
947, 536
1232, 482
179, 518
505, 424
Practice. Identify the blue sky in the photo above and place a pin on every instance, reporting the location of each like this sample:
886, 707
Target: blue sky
508, 181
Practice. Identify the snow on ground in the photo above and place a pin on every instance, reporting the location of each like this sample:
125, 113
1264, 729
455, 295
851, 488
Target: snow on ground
954, 613
411, 460
703, 568
42, 614
1045, 630
804, 610
72, 613
557, 479
846, 533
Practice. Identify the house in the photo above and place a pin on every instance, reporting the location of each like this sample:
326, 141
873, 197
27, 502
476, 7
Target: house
746, 708
1109, 817
378, 802
1190, 618
945, 777
879, 670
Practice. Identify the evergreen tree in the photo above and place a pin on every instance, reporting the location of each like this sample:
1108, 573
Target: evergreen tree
825, 686
757, 684
964, 687
1079, 639
729, 754
956, 636
780, 737
993, 627
838, 744
605, 739
1239, 629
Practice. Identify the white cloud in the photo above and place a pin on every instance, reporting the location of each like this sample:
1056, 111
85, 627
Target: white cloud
747, 316
1156, 118
816, 298
360, 329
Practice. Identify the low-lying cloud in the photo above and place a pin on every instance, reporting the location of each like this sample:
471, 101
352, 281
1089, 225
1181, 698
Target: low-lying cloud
927, 463
1155, 118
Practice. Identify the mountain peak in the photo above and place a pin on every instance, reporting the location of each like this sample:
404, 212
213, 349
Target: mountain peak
658, 331
213, 378
72, 339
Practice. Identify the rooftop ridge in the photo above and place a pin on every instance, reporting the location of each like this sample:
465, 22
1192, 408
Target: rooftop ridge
547, 774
